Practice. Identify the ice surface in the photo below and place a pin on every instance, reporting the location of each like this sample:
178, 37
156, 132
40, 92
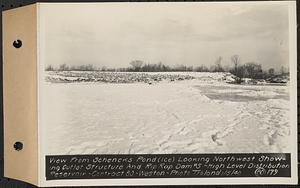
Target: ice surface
189, 116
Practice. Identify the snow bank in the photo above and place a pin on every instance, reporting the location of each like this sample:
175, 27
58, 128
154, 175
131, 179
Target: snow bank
133, 77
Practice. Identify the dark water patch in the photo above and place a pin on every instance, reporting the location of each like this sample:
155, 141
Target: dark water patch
235, 95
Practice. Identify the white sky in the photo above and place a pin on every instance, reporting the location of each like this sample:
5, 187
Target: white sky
113, 34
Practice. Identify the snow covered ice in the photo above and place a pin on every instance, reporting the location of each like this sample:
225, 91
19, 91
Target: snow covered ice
198, 114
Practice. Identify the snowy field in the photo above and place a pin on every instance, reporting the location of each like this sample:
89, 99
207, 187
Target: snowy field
200, 115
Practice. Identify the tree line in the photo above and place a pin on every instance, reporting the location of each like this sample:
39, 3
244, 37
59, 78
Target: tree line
240, 70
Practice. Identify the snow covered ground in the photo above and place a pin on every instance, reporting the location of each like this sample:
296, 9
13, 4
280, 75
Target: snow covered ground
202, 115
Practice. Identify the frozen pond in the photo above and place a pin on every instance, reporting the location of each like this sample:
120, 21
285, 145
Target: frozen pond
169, 117
243, 93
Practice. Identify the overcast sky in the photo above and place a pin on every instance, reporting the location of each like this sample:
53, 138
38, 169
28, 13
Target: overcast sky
113, 34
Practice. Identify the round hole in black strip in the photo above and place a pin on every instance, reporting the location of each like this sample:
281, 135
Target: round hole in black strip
18, 146
17, 43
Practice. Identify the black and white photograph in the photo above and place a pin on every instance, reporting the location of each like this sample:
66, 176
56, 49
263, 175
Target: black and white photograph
166, 78
150, 93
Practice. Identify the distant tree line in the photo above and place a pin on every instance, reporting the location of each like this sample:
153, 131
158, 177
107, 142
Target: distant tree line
65, 67
252, 70
240, 70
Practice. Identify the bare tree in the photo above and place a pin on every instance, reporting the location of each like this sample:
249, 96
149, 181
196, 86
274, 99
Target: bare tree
253, 70
218, 65
283, 70
89, 67
271, 71
235, 59
201, 68
238, 70
136, 64
49, 68
63, 67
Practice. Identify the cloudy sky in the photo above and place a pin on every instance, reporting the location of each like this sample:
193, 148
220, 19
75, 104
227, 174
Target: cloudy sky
113, 34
